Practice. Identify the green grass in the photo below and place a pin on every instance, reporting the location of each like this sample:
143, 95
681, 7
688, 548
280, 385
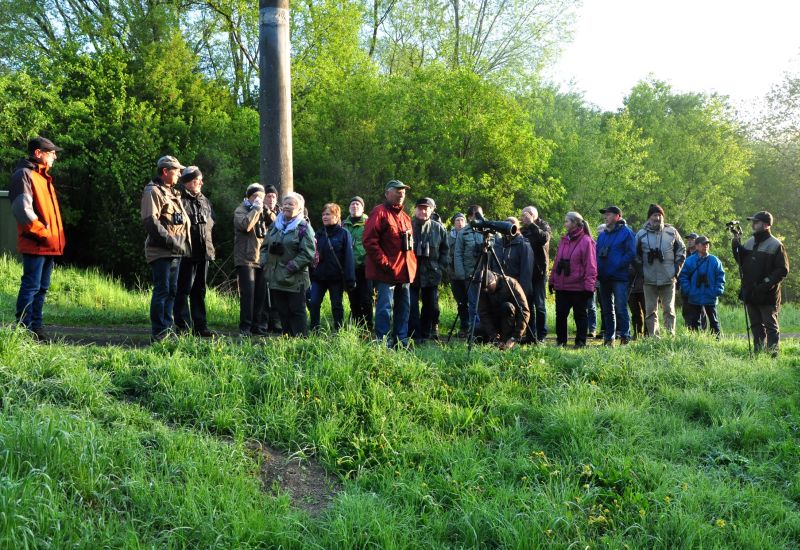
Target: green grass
679, 442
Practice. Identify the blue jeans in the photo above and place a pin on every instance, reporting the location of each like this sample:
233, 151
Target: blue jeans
165, 287
394, 302
335, 290
36, 271
591, 312
539, 303
614, 304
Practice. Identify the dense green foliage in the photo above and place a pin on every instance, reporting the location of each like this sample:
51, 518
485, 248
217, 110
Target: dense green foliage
679, 442
443, 95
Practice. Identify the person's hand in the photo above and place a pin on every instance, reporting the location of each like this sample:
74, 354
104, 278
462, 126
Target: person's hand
258, 203
291, 267
550, 287
508, 344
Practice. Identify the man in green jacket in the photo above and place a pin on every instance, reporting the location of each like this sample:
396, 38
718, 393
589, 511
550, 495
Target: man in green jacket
361, 296
430, 243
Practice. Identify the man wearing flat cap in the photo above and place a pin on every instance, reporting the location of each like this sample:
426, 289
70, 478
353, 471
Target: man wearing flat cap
167, 226
391, 263
431, 250
40, 233
764, 265
616, 249
189, 311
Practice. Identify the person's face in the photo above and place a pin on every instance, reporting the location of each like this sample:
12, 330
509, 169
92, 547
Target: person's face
291, 208
759, 226
472, 217
459, 224
194, 185
656, 218
329, 218
356, 209
690, 245
703, 249
527, 217
423, 212
271, 200
170, 176
569, 225
396, 196
611, 218
46, 157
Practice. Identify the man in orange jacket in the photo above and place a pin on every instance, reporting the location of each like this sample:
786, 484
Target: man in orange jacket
40, 233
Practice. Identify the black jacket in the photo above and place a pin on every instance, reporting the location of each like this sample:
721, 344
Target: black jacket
538, 234
202, 217
764, 265
517, 259
490, 310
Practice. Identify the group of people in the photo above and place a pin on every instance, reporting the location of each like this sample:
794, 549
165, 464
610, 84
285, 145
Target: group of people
394, 264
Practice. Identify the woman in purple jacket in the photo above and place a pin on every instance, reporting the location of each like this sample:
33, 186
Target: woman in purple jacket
573, 277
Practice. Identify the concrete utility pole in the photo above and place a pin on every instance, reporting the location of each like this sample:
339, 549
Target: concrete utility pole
275, 99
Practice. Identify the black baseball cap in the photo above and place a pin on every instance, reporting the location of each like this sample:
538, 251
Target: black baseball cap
691, 236
426, 201
611, 209
702, 239
762, 216
43, 144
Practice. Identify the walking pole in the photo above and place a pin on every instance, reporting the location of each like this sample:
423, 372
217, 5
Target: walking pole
737, 257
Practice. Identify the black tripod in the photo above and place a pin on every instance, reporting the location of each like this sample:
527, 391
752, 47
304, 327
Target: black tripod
480, 276
737, 236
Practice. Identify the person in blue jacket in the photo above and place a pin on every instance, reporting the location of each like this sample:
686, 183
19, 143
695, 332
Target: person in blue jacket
336, 270
616, 250
703, 281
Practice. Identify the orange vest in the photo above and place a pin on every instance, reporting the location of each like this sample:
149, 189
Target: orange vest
45, 236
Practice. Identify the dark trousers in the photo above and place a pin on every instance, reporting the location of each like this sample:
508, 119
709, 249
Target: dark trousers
335, 290
576, 301
269, 320
420, 324
361, 300
292, 311
251, 297
36, 272
189, 310
694, 315
539, 304
636, 305
687, 311
459, 289
764, 323
165, 287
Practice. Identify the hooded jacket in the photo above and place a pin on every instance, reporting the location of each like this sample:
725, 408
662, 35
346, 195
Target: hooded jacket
35, 207
469, 244
578, 248
764, 266
165, 221
667, 240
356, 229
296, 244
386, 261
616, 250
335, 249
199, 210
702, 279
517, 261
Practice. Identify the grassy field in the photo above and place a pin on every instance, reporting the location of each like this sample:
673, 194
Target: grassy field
679, 442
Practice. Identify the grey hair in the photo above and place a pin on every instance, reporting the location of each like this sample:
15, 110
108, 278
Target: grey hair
574, 217
301, 202
532, 210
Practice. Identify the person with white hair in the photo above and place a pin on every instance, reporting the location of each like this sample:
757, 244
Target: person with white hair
288, 253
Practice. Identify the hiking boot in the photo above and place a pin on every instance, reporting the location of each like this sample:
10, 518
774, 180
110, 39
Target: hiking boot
205, 333
624, 341
608, 343
39, 334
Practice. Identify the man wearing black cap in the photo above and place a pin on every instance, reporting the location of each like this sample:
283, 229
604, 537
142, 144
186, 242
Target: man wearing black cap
168, 240
40, 233
391, 263
430, 247
702, 282
361, 296
615, 252
660, 254
764, 265
689, 312
189, 311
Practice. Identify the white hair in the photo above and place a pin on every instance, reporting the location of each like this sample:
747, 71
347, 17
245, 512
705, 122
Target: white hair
301, 202
532, 210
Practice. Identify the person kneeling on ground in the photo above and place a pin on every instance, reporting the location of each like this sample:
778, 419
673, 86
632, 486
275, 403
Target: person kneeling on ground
503, 310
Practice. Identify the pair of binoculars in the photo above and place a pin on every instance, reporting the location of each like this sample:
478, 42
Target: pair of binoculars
655, 254
177, 218
276, 248
406, 241
563, 268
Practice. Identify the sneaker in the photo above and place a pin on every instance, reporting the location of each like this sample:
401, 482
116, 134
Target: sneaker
592, 334
161, 336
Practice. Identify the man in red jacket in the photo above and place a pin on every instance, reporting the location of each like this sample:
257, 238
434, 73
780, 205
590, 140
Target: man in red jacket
390, 262
40, 233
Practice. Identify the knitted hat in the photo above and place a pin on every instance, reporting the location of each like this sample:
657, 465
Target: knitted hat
653, 209
270, 189
254, 188
456, 216
189, 173
357, 199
